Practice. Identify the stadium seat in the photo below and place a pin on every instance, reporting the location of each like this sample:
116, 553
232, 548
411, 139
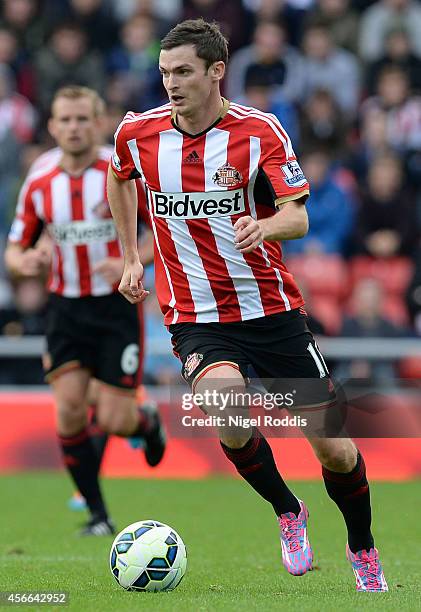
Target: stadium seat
410, 367
320, 274
329, 313
395, 310
393, 273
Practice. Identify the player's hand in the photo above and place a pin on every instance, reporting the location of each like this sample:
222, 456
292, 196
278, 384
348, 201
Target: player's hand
248, 234
33, 262
131, 283
110, 268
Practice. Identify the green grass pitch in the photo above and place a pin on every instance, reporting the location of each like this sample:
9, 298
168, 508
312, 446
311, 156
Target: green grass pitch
232, 541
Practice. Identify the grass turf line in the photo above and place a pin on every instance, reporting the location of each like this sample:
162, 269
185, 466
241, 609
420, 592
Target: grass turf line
232, 541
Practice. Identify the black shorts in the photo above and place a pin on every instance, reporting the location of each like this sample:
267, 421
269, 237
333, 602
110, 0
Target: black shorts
276, 347
102, 334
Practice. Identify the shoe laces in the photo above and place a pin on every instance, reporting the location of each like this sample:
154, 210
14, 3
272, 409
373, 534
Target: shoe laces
292, 531
369, 567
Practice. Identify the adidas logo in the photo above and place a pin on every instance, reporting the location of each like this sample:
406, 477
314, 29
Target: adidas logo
192, 158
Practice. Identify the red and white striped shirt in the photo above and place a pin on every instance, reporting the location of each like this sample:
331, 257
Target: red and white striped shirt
197, 188
76, 213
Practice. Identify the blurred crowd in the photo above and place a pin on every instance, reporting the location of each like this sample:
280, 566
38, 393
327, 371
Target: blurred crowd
342, 76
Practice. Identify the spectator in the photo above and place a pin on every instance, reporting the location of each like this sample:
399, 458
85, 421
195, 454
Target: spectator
332, 68
262, 93
386, 221
112, 120
372, 142
266, 10
115, 95
398, 52
66, 60
17, 126
95, 17
12, 55
330, 210
165, 12
23, 18
368, 321
268, 50
280, 12
25, 317
232, 17
380, 18
322, 124
133, 64
340, 18
403, 110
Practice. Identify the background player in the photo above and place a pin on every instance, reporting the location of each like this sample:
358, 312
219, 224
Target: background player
90, 330
111, 268
213, 170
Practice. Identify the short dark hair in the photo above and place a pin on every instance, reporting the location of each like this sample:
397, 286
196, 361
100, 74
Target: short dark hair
207, 38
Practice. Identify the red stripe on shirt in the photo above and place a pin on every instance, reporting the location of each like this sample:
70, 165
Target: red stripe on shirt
220, 281
76, 190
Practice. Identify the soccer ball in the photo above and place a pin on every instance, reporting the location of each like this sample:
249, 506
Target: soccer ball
148, 556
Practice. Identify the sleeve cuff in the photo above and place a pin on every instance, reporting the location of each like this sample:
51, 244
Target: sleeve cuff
290, 198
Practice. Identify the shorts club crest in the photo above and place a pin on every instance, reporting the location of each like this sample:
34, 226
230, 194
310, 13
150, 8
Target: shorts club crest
192, 362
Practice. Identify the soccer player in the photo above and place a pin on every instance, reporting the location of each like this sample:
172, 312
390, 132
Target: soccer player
111, 268
224, 187
92, 331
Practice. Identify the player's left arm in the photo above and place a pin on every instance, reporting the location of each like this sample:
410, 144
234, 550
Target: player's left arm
289, 188
289, 223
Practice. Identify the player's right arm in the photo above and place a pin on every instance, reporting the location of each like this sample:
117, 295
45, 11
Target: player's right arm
146, 242
123, 200
111, 268
123, 204
22, 258
24, 263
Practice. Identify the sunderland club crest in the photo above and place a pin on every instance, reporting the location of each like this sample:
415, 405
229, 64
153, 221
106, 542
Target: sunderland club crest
227, 176
192, 362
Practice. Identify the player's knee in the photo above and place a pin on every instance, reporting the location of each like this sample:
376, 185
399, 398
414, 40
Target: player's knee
235, 439
71, 407
114, 424
114, 428
117, 416
71, 417
106, 422
338, 456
